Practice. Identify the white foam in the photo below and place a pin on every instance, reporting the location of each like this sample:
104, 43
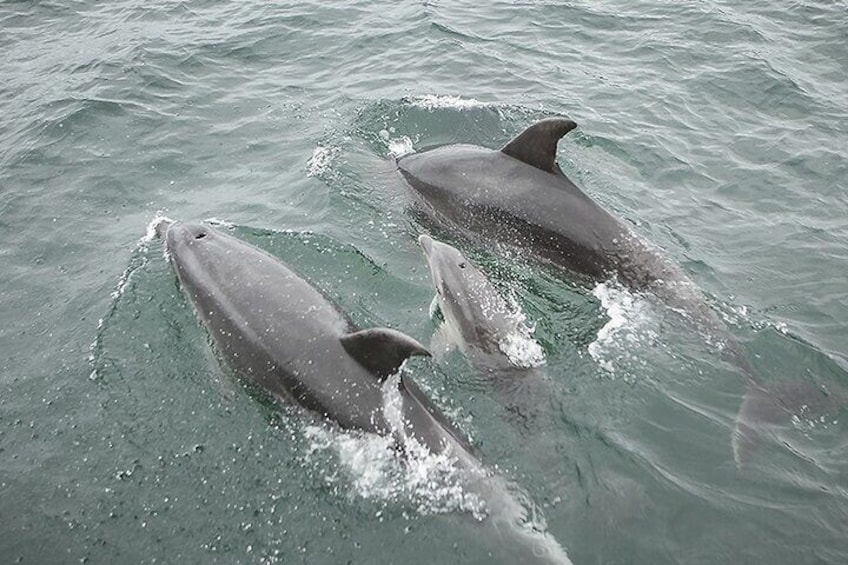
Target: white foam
430, 483
152, 227
398, 147
367, 459
519, 346
319, 163
219, 222
522, 350
434, 101
140, 249
629, 325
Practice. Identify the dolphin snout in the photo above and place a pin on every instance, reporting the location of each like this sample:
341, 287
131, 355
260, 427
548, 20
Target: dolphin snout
160, 226
426, 243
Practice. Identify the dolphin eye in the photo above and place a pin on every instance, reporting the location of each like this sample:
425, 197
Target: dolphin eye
200, 235
462, 265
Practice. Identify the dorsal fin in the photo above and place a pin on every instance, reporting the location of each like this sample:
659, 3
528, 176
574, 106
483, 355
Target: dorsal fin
381, 350
537, 145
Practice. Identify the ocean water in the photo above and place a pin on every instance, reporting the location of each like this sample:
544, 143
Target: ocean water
718, 129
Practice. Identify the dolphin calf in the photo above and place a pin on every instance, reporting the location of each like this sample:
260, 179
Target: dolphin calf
280, 333
484, 323
488, 329
519, 196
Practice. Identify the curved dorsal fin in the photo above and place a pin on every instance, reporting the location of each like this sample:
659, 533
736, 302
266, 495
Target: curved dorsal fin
381, 350
537, 145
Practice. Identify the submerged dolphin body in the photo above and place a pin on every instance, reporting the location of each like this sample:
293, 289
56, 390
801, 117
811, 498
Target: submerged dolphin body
519, 196
283, 335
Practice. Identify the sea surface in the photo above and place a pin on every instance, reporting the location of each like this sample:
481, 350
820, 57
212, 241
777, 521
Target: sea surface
718, 129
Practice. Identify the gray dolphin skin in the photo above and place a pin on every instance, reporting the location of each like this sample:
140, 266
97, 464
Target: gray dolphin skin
519, 196
490, 332
474, 309
283, 335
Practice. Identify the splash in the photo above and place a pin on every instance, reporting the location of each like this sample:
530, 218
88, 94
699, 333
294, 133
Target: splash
629, 326
519, 345
319, 163
140, 258
433, 101
376, 470
140, 251
396, 146
152, 229
522, 350
400, 147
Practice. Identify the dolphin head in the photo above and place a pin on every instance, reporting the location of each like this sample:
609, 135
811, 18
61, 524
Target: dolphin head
186, 233
191, 243
448, 266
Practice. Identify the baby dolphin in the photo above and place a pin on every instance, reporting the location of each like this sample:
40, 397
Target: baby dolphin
482, 321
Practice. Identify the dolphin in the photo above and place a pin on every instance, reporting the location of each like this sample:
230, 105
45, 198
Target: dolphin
519, 196
484, 323
281, 334
287, 338
488, 329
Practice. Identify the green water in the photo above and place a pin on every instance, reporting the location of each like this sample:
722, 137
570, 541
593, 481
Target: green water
719, 129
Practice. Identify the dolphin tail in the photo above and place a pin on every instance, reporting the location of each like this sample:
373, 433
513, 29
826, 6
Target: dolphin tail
763, 408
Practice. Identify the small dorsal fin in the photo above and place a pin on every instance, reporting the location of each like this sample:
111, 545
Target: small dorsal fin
381, 350
537, 145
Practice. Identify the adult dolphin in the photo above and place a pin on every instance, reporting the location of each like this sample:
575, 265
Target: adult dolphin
518, 195
283, 335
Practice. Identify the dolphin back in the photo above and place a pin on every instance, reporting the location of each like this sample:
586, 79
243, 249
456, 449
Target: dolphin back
279, 332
